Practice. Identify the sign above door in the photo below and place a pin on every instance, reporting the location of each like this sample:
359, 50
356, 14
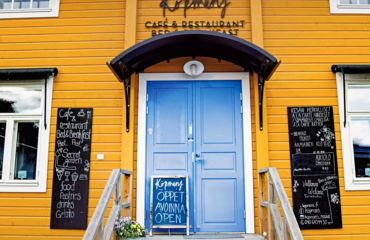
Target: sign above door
185, 5
215, 21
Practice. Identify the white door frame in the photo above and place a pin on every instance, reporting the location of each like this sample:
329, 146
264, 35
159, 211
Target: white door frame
247, 136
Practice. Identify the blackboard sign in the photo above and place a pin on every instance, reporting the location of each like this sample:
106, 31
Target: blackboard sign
315, 185
169, 202
71, 168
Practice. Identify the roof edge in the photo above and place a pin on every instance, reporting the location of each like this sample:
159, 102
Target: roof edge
27, 73
131, 60
351, 68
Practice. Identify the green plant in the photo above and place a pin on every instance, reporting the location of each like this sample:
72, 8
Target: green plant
127, 228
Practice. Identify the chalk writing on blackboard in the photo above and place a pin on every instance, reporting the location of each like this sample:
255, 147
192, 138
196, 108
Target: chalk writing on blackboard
169, 202
71, 168
315, 185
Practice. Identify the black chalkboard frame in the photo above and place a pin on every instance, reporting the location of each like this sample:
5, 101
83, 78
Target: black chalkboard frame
82, 217
332, 175
187, 226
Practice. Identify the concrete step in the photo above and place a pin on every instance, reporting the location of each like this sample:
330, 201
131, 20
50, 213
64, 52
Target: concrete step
253, 237
221, 236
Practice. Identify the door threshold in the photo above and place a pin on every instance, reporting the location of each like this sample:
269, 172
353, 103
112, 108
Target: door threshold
215, 236
209, 236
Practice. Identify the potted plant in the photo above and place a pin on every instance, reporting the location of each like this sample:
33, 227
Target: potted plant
126, 228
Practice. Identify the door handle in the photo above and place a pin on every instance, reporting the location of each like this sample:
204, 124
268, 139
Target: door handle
190, 133
197, 158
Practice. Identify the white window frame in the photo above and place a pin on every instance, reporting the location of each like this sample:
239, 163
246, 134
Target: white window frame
52, 11
350, 180
337, 8
40, 183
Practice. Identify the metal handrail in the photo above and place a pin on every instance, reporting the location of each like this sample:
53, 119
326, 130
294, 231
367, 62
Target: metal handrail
277, 226
96, 228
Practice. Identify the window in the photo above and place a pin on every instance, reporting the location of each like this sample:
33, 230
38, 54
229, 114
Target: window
24, 135
354, 2
355, 129
350, 6
28, 8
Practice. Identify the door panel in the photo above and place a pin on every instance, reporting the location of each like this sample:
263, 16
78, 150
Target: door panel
170, 161
219, 161
224, 191
219, 172
191, 118
168, 117
216, 101
171, 115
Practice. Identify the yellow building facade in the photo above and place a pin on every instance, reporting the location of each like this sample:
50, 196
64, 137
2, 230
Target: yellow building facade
308, 37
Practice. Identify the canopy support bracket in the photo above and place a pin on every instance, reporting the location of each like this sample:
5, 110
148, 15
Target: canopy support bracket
127, 88
261, 88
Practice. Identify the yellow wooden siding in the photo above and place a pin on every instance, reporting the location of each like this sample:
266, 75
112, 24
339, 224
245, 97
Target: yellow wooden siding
86, 34
308, 40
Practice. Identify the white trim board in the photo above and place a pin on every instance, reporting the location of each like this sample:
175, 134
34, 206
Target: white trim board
40, 184
350, 180
51, 11
337, 8
247, 136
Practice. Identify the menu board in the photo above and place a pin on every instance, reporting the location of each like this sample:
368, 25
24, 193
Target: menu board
169, 202
71, 168
314, 169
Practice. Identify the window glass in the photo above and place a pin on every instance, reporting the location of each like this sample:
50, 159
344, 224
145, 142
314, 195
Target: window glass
2, 143
26, 150
347, 1
5, 4
24, 4
20, 100
354, 1
360, 132
19, 4
40, 4
359, 98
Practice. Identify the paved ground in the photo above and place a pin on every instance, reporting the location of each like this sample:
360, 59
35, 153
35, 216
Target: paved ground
206, 237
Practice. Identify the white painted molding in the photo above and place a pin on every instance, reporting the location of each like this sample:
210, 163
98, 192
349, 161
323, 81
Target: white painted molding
337, 8
53, 11
350, 181
40, 184
247, 136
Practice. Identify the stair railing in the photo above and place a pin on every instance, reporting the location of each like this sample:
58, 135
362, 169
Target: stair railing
96, 228
273, 202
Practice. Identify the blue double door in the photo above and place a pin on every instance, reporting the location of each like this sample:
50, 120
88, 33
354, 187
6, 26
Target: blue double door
194, 128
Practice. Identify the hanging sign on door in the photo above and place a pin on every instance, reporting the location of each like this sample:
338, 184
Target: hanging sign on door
169, 202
